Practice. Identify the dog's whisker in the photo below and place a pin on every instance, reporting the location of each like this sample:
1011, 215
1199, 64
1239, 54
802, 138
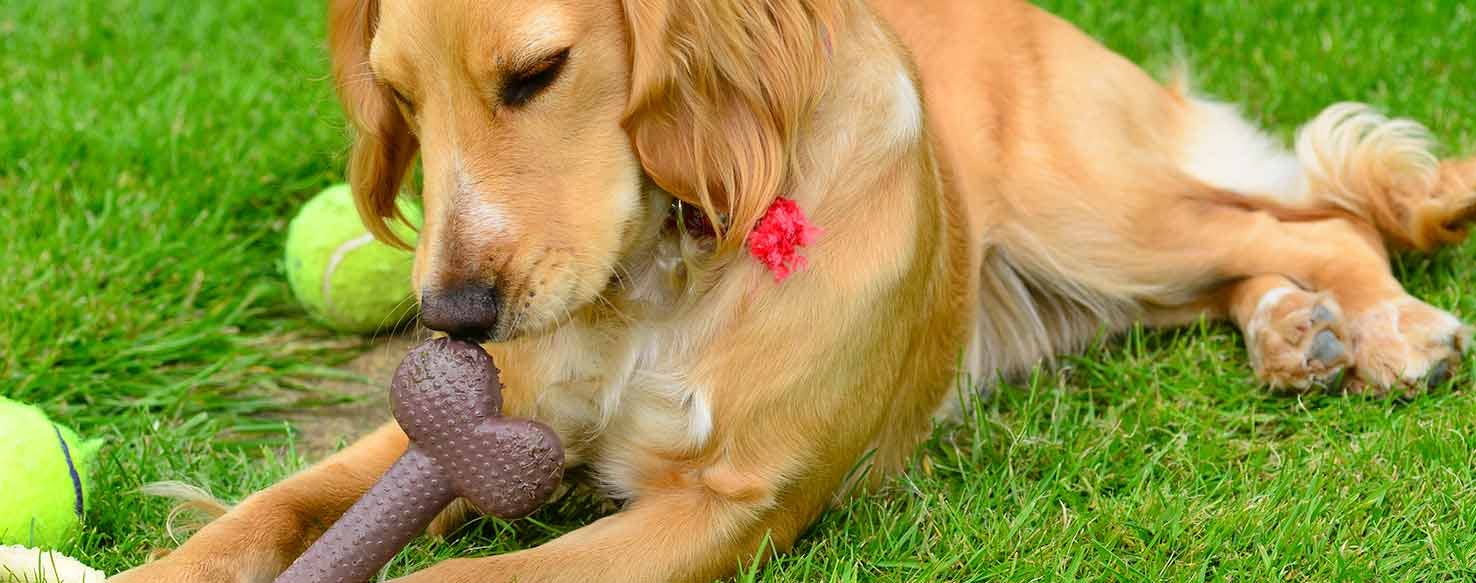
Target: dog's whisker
385, 324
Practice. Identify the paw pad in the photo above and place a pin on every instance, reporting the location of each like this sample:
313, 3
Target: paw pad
1296, 340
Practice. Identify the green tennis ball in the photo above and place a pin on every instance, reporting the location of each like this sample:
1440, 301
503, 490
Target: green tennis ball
348, 280
44, 481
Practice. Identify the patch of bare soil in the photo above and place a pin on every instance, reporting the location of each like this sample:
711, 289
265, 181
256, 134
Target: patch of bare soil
324, 430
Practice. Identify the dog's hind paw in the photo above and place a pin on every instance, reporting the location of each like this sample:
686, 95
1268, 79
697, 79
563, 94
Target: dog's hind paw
1407, 346
1297, 340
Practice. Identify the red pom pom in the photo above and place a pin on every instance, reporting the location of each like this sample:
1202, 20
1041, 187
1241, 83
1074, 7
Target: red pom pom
776, 239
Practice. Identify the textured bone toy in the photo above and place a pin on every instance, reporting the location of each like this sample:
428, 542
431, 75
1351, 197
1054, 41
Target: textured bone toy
448, 399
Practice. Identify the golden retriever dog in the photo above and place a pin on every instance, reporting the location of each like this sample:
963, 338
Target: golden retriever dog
991, 187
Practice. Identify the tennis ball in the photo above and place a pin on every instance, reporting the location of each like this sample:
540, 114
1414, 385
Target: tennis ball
43, 477
348, 280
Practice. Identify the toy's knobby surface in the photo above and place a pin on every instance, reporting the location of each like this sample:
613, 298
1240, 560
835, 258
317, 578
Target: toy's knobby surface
447, 397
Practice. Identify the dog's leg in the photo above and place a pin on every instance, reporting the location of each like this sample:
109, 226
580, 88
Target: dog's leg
260, 537
1397, 341
680, 534
1297, 339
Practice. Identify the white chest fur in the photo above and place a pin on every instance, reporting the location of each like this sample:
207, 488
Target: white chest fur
620, 388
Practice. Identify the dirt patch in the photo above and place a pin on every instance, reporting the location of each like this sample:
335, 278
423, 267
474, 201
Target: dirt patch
324, 430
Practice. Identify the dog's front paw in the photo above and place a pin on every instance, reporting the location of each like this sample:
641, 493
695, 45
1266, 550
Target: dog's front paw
1405, 345
1297, 340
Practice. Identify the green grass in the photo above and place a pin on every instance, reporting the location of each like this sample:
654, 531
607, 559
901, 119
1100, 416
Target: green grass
151, 151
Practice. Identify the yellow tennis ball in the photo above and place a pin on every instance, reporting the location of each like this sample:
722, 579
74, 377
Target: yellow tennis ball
347, 279
44, 482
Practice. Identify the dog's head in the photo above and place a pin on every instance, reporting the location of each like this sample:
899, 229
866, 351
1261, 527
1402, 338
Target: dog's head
539, 124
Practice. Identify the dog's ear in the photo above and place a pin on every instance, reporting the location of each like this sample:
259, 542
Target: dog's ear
384, 146
719, 92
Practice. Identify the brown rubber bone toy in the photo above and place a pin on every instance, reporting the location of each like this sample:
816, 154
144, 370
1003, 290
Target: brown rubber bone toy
447, 397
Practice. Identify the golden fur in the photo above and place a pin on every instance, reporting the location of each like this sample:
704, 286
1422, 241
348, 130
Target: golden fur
995, 188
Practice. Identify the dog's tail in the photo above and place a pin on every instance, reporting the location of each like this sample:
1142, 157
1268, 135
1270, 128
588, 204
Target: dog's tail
1355, 161
194, 508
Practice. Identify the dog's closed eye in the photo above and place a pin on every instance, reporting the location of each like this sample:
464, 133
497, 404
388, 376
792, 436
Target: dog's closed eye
520, 87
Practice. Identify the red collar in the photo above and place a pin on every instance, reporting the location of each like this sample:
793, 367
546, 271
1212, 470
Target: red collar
775, 241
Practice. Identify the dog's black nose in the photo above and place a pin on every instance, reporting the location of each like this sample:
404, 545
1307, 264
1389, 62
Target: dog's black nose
469, 312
